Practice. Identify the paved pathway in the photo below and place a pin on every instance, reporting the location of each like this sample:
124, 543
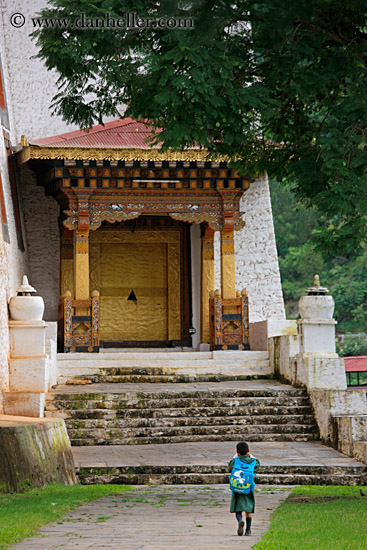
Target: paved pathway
214, 453
158, 518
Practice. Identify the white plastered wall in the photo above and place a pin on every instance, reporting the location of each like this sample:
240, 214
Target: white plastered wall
13, 262
30, 86
257, 268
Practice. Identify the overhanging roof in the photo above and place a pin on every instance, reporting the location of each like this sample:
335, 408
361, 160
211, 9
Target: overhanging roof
124, 139
120, 134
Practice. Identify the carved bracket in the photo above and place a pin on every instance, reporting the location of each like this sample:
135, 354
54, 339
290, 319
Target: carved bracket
89, 208
79, 213
230, 208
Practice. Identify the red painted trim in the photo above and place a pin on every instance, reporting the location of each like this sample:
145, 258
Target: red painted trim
356, 364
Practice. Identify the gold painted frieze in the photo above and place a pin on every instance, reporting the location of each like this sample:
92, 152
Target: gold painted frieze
90, 208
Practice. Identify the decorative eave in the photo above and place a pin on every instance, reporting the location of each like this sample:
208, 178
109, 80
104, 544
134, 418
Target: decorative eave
119, 140
83, 153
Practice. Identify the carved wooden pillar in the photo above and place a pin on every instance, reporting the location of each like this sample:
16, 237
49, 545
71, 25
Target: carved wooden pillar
227, 258
81, 249
207, 280
81, 265
66, 262
227, 263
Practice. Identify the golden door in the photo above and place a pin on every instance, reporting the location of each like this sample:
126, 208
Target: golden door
137, 275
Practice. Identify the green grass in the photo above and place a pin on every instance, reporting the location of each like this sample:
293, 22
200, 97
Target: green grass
312, 518
318, 518
21, 515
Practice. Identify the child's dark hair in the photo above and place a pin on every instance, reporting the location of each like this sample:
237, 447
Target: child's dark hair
242, 448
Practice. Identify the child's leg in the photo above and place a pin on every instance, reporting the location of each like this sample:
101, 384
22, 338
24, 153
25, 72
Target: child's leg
248, 523
241, 524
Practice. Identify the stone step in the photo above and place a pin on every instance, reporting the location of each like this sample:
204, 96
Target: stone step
191, 375
222, 469
168, 379
282, 461
235, 404
211, 479
202, 429
143, 357
255, 437
91, 392
265, 388
188, 421
167, 413
110, 411
119, 368
182, 434
163, 366
159, 370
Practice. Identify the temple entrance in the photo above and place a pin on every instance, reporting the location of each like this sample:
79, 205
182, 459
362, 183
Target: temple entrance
125, 264
133, 288
139, 271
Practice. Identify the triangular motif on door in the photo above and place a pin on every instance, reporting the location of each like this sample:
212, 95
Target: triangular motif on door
132, 296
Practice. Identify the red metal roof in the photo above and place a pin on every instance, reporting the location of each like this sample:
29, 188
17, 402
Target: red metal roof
125, 133
356, 364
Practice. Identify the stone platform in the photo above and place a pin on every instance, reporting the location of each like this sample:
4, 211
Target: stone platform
282, 463
33, 452
162, 366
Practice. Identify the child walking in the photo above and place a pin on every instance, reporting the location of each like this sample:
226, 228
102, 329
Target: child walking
243, 502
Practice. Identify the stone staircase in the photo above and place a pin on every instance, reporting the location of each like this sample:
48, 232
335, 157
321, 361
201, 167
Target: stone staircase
141, 400
219, 412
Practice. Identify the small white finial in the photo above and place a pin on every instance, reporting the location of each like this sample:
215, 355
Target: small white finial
316, 289
25, 287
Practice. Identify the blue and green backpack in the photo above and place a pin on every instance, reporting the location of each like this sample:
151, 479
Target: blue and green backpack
242, 478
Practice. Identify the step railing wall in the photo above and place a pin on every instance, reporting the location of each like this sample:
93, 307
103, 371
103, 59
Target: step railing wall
337, 409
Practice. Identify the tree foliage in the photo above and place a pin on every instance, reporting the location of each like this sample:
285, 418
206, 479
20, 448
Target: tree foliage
278, 86
352, 345
299, 261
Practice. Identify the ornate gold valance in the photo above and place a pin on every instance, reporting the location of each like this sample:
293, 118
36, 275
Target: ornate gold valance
88, 208
113, 154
